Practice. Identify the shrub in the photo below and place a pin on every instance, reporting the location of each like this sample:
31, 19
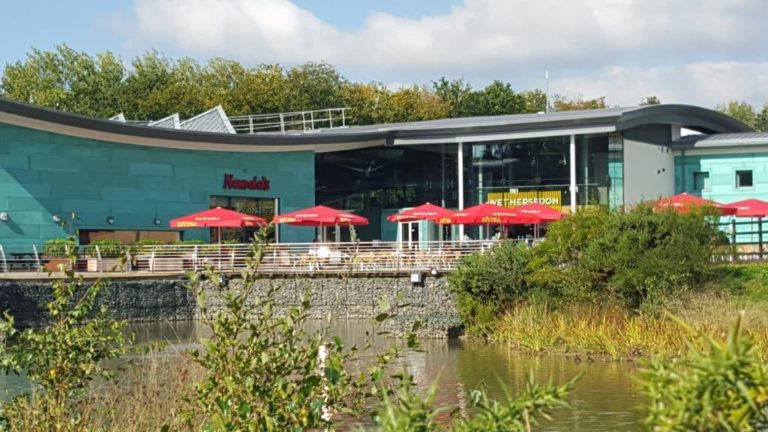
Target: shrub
189, 242
723, 388
107, 248
61, 359
639, 257
59, 248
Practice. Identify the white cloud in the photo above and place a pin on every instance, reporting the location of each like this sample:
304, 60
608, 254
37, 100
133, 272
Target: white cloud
611, 40
704, 84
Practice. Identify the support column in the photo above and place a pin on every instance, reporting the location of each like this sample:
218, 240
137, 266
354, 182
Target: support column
460, 169
573, 188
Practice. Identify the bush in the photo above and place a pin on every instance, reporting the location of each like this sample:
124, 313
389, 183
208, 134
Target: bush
107, 248
639, 258
59, 248
484, 282
724, 388
61, 359
189, 242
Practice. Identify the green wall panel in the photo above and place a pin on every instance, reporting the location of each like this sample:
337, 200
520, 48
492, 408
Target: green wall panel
44, 174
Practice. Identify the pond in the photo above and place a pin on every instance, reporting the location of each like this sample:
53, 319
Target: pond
606, 398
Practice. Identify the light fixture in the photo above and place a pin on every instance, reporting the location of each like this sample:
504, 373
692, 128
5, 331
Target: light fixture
56, 218
4, 216
110, 219
156, 221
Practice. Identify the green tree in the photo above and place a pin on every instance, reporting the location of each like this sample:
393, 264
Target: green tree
762, 120
741, 111
142, 91
535, 101
67, 80
577, 102
314, 86
454, 93
650, 100
495, 99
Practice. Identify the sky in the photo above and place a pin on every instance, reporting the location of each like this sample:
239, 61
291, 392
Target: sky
701, 52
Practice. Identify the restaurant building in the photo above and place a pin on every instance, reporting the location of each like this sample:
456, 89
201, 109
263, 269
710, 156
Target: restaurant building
61, 173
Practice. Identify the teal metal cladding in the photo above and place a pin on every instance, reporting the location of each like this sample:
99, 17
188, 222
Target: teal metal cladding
43, 174
717, 180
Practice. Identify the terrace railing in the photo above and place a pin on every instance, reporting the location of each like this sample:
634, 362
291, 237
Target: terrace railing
278, 258
303, 121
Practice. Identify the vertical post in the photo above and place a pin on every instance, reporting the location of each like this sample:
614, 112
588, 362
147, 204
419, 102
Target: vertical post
38, 265
460, 173
760, 237
312, 120
2, 259
343, 117
330, 119
250, 124
572, 163
282, 123
733, 231
194, 258
99, 261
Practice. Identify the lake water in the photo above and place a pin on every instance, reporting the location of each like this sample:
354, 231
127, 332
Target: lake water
606, 398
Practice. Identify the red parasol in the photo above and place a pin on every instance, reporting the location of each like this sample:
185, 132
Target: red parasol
750, 208
488, 214
684, 202
540, 211
423, 212
217, 217
320, 216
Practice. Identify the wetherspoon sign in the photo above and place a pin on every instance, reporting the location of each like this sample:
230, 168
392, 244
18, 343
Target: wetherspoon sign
255, 183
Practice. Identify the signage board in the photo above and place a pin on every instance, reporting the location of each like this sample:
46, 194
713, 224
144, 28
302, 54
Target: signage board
550, 198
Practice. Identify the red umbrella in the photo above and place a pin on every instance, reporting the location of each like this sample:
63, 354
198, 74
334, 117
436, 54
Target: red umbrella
217, 217
320, 216
540, 211
750, 208
488, 214
683, 203
423, 212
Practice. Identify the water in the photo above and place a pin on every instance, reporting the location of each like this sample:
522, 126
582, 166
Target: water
606, 398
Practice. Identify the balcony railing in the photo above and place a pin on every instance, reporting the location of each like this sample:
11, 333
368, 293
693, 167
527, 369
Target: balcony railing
279, 258
303, 121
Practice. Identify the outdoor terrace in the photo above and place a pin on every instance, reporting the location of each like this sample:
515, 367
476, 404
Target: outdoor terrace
279, 258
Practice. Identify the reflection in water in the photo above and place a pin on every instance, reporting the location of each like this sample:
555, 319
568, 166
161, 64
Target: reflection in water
606, 397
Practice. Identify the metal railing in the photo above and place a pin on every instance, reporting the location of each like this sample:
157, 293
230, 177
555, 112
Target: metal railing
279, 258
303, 121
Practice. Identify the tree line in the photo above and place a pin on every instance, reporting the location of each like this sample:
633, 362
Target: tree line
153, 86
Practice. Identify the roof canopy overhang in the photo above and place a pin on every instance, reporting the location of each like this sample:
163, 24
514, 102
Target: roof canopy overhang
469, 129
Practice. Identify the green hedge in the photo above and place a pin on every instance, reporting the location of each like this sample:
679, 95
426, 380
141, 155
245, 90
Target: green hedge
58, 247
107, 248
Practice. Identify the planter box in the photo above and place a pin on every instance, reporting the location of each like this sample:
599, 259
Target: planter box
52, 264
108, 264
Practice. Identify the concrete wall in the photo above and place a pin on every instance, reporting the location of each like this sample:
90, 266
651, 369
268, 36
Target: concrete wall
648, 164
169, 299
42, 174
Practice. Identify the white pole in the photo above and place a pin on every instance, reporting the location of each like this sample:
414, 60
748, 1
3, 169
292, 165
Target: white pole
460, 157
572, 163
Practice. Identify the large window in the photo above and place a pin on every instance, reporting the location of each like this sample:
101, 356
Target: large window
376, 182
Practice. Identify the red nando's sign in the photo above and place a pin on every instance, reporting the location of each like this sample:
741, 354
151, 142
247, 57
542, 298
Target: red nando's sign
256, 183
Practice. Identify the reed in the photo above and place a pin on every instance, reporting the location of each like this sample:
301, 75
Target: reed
616, 333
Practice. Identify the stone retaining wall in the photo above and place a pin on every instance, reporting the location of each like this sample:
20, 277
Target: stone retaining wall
140, 300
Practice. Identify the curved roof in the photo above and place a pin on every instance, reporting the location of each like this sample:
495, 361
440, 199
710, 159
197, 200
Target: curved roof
466, 129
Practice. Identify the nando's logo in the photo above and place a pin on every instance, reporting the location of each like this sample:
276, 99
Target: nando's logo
256, 183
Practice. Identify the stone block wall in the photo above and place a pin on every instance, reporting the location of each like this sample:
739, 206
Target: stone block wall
169, 299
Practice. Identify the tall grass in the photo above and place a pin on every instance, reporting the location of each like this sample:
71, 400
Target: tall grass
616, 333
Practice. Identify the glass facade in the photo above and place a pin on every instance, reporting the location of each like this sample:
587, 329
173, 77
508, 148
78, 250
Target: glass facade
376, 182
